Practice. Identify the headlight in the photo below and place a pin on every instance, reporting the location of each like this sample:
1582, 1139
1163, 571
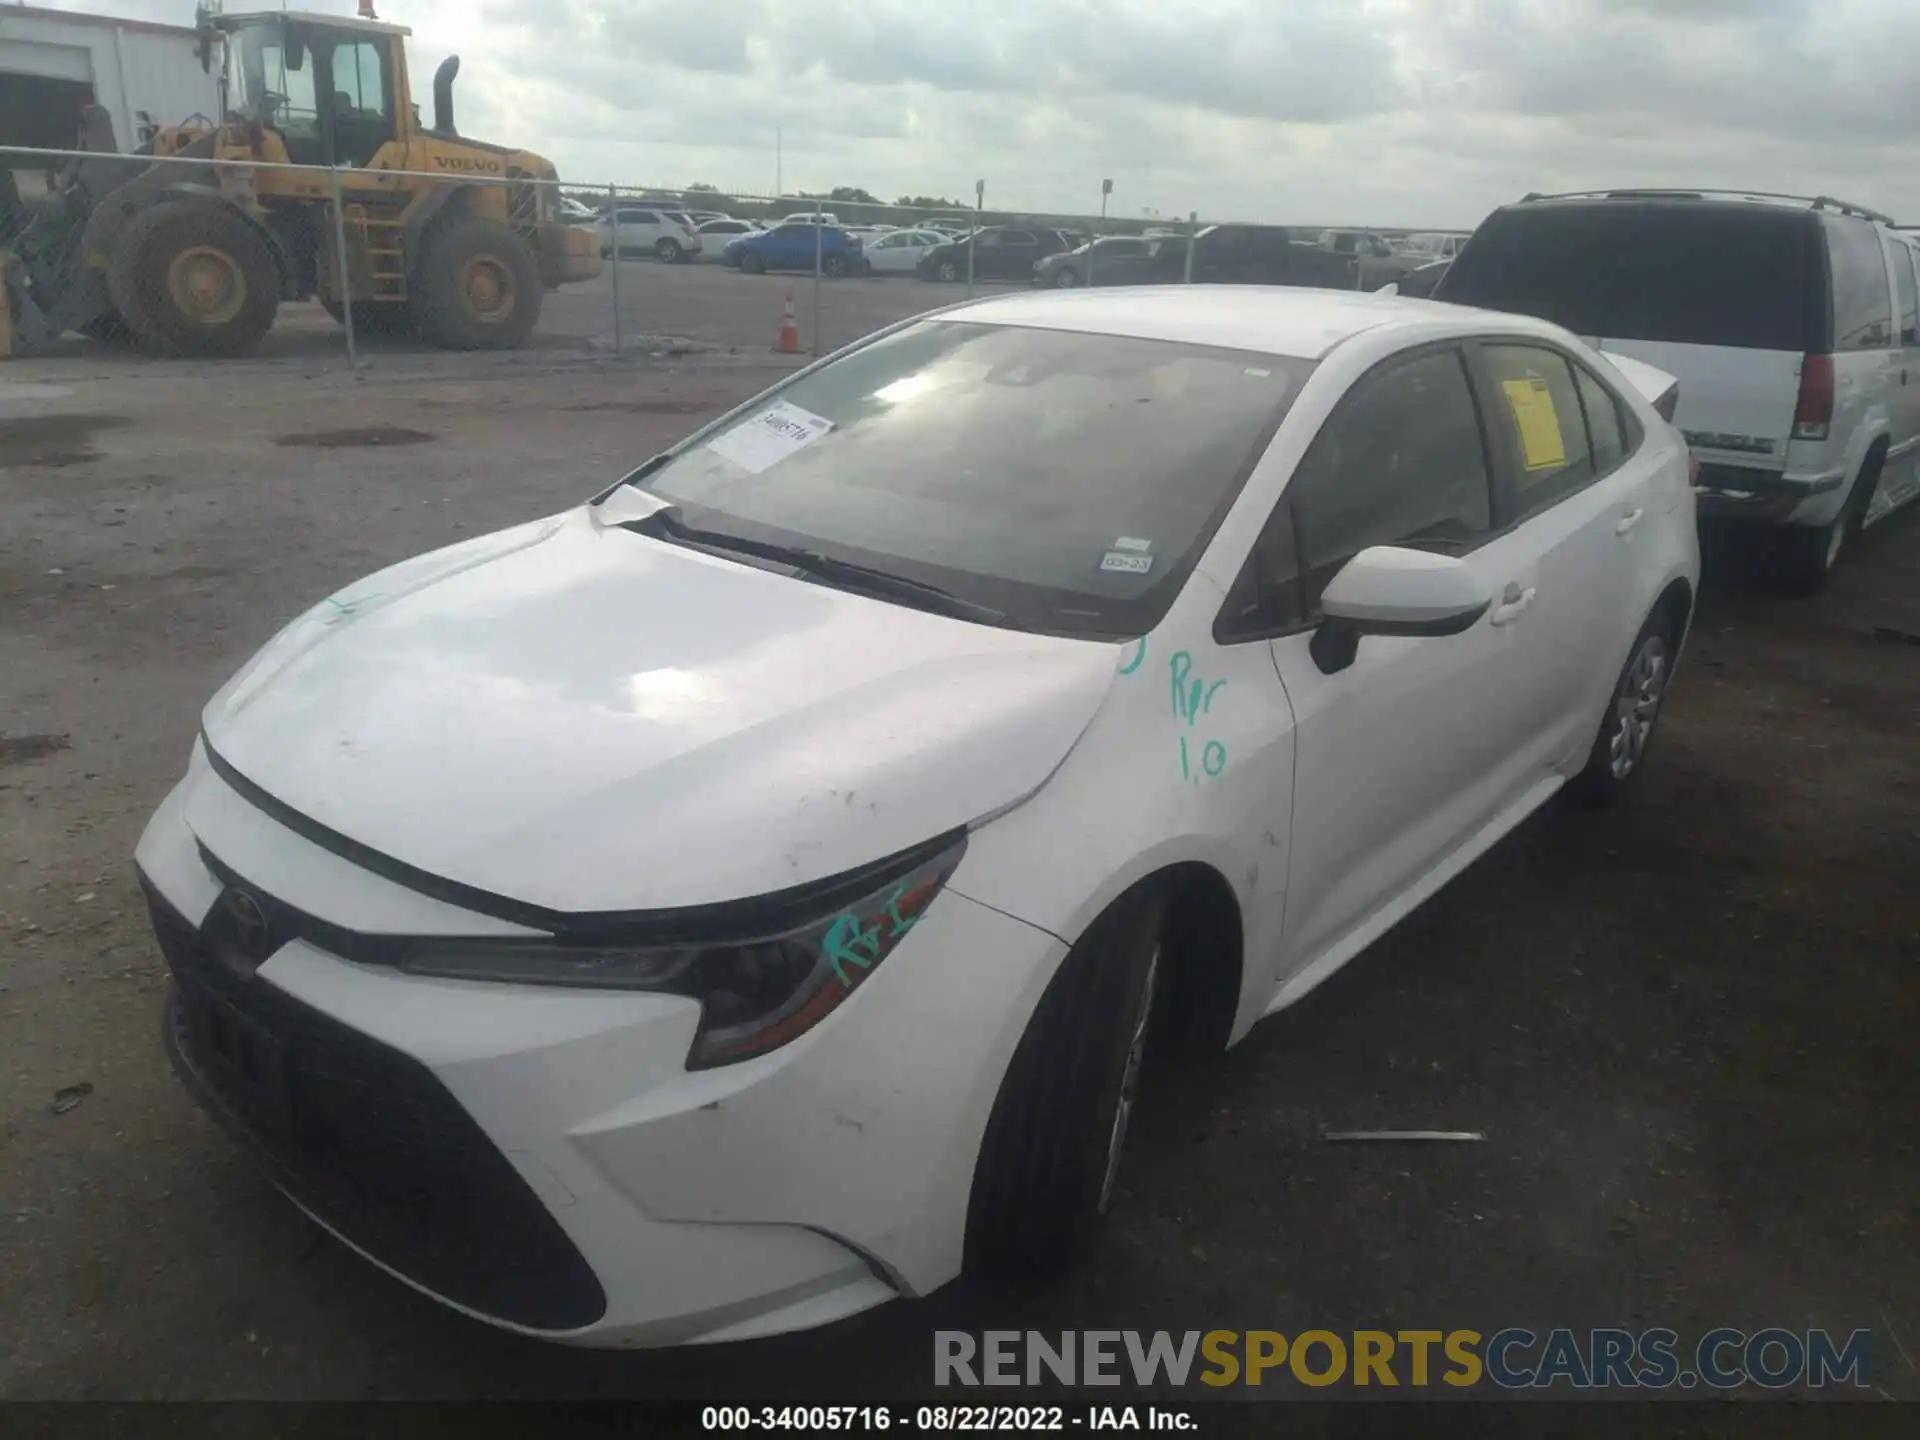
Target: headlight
757, 990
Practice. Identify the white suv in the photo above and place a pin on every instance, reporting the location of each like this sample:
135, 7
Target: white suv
668, 235
1792, 324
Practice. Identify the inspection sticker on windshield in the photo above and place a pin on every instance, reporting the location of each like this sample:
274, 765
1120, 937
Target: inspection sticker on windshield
1126, 564
769, 437
1128, 542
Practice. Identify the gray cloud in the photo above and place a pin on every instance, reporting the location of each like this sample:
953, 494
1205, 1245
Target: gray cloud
1424, 112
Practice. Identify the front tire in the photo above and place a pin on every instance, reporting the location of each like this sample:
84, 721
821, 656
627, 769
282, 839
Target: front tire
1620, 750
1064, 278
948, 271
1052, 1147
478, 287
194, 278
752, 264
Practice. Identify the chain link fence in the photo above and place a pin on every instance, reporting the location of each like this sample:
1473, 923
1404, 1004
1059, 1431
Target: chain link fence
189, 256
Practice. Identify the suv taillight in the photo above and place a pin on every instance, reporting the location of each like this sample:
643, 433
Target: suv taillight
1813, 412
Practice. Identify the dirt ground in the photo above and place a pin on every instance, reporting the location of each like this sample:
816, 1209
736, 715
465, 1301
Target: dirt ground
1686, 1026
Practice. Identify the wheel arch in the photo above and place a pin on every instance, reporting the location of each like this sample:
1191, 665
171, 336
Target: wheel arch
1204, 940
1676, 605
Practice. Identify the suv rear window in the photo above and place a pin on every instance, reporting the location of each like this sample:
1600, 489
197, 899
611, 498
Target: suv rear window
1737, 274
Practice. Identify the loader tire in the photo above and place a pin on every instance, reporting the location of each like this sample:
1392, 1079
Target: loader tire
374, 317
194, 279
478, 287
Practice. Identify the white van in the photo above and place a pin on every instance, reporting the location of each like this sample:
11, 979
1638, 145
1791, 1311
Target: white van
1792, 323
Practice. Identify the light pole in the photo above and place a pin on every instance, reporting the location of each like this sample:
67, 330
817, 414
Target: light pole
973, 236
1093, 248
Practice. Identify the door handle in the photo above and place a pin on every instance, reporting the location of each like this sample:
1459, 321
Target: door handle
1511, 605
1629, 520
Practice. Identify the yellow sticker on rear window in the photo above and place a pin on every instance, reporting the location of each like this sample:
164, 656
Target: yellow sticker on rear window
1541, 444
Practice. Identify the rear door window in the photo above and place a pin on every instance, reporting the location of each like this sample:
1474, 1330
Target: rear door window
1862, 306
1537, 415
1740, 274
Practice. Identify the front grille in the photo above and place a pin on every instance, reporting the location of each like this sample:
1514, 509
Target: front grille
369, 1140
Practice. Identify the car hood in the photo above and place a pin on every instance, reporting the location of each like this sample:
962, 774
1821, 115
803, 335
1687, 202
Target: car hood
579, 717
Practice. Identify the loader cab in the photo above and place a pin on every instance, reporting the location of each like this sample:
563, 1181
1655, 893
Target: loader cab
333, 89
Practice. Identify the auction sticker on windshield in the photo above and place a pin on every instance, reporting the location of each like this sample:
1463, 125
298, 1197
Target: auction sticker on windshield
765, 439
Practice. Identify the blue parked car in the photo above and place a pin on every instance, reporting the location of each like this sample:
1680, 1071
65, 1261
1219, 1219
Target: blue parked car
791, 247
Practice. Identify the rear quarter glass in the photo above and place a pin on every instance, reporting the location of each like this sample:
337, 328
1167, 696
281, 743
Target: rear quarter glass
1738, 274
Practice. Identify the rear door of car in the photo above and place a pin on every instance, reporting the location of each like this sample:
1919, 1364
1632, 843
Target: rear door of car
1012, 258
1575, 478
1728, 296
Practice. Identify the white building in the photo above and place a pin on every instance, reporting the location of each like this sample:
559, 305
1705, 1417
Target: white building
54, 61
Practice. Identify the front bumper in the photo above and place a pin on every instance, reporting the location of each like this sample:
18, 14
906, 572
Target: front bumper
542, 1159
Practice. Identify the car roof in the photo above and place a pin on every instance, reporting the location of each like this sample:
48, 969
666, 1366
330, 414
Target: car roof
1296, 322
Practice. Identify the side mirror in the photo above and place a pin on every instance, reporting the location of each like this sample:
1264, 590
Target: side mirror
1387, 590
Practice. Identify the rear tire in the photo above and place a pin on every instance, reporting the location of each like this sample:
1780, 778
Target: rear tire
667, 252
834, 266
1047, 1162
1806, 555
195, 279
1633, 713
478, 287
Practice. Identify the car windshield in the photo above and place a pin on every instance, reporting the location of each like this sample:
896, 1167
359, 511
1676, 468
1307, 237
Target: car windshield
1068, 481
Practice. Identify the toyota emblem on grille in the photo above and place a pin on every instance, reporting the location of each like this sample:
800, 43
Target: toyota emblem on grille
245, 938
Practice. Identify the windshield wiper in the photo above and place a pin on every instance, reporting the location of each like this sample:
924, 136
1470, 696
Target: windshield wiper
666, 524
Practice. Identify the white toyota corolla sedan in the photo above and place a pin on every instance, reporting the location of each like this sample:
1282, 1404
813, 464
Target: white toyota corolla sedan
747, 897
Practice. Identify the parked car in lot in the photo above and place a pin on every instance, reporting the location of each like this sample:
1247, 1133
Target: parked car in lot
947, 224
811, 217
1111, 260
1434, 244
756, 969
716, 235
1250, 255
1376, 261
1791, 325
1000, 252
898, 252
1420, 283
667, 235
794, 246
572, 212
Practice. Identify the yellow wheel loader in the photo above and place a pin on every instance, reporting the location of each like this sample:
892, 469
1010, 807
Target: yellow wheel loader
444, 235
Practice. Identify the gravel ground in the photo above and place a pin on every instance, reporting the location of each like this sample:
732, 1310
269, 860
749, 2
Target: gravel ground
1686, 1026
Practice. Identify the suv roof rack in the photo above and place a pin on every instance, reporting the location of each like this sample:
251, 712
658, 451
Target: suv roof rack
1816, 202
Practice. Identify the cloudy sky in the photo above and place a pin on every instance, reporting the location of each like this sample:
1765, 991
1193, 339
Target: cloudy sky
1384, 112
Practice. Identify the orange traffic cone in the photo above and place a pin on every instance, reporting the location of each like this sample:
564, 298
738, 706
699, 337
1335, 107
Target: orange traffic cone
789, 341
